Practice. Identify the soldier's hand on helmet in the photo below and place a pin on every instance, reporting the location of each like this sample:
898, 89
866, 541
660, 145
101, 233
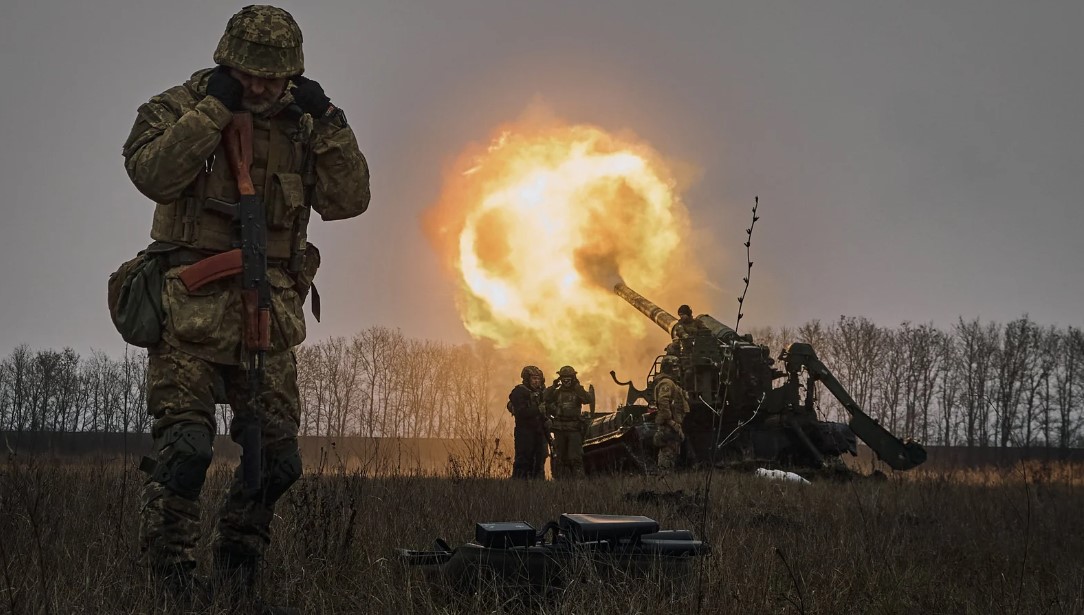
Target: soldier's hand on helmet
309, 95
225, 88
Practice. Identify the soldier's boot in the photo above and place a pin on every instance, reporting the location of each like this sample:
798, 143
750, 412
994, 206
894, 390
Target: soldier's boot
182, 586
234, 574
235, 578
667, 460
519, 469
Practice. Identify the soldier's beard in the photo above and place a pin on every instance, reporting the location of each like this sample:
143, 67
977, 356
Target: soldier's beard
258, 106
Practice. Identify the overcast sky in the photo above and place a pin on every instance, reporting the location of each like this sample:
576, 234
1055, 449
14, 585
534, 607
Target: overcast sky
914, 160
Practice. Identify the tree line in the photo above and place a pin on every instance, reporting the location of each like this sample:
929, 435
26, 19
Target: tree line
973, 384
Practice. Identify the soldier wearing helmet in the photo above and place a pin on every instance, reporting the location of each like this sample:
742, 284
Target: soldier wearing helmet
672, 405
563, 401
304, 157
531, 432
687, 325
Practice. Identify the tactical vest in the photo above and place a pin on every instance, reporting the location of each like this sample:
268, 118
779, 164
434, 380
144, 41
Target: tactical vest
534, 398
567, 403
678, 404
204, 217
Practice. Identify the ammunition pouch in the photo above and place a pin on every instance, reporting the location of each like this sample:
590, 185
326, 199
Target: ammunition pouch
563, 424
569, 410
197, 315
287, 316
135, 299
285, 198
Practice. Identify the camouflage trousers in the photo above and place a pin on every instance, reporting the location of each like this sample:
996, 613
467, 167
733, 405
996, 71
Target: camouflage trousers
569, 448
668, 441
531, 451
181, 394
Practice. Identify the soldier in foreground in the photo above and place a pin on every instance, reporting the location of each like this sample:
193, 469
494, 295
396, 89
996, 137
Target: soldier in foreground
531, 432
303, 155
673, 404
563, 401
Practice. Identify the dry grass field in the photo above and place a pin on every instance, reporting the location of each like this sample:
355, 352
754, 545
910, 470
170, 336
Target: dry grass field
994, 541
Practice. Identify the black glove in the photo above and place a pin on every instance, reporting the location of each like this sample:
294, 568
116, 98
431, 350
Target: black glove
225, 88
310, 97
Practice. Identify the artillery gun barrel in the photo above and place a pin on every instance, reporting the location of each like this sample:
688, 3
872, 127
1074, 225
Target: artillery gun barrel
666, 320
659, 316
721, 332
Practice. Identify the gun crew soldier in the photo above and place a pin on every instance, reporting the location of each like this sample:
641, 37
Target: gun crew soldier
687, 325
563, 402
672, 403
531, 431
301, 154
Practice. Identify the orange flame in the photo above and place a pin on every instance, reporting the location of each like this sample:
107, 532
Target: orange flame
539, 225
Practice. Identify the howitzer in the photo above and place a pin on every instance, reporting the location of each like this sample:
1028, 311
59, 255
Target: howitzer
736, 411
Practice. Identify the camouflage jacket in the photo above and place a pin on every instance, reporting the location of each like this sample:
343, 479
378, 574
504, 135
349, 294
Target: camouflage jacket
525, 404
174, 156
671, 400
563, 405
688, 328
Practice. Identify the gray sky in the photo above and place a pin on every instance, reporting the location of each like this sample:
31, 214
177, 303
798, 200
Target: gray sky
914, 160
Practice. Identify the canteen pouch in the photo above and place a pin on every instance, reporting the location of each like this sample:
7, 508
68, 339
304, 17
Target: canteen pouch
135, 300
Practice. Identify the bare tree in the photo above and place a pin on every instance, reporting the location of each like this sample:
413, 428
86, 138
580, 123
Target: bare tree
1016, 361
923, 348
1067, 384
949, 393
977, 347
853, 349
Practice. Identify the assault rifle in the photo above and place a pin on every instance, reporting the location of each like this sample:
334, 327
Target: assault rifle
250, 261
255, 290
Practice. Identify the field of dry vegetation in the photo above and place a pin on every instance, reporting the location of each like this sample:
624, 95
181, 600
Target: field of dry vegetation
969, 541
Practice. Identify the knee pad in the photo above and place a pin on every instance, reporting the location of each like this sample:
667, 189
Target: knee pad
283, 468
184, 454
667, 437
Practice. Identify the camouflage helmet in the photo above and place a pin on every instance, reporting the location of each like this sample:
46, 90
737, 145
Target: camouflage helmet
685, 309
669, 363
566, 372
264, 41
529, 371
